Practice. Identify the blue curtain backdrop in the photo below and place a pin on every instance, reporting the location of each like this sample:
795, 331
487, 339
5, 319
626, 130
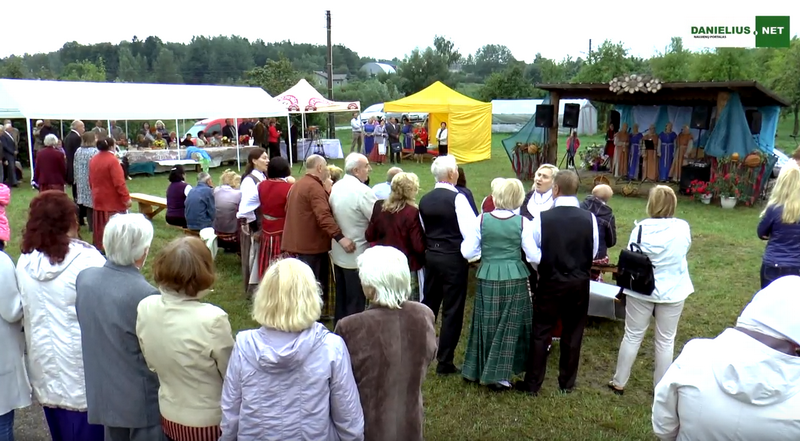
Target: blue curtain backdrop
529, 133
732, 134
625, 116
769, 125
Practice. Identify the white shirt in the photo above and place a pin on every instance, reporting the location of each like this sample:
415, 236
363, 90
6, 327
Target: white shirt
382, 190
187, 190
250, 201
355, 124
564, 201
351, 203
441, 135
464, 215
471, 248
540, 202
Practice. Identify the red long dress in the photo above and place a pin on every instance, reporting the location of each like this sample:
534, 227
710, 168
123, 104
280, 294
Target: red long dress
273, 194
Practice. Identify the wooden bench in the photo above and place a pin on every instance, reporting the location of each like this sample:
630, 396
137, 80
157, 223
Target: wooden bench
173, 162
149, 205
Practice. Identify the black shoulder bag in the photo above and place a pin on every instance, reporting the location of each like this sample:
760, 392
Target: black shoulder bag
635, 271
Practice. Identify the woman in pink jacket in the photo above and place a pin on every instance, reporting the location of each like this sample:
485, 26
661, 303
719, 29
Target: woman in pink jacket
5, 232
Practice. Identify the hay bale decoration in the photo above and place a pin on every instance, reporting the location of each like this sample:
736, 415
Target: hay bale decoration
634, 83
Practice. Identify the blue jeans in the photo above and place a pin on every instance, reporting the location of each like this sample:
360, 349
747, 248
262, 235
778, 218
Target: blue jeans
7, 427
771, 272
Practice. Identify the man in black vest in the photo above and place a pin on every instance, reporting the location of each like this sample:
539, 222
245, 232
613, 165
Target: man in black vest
568, 239
447, 219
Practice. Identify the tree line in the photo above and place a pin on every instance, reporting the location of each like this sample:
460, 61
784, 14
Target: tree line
492, 72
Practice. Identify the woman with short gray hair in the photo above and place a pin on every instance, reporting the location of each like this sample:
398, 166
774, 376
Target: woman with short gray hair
50, 170
375, 351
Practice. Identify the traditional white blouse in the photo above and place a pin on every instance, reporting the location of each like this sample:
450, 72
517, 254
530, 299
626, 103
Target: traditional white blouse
250, 201
471, 247
540, 202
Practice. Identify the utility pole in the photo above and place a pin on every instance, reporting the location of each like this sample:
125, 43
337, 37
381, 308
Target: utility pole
590, 49
331, 123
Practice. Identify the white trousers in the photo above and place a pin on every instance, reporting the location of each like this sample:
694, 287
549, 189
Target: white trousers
637, 319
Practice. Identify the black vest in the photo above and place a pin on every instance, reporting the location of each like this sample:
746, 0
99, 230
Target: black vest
438, 212
567, 243
523, 210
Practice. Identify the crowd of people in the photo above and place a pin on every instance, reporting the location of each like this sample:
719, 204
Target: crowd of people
155, 362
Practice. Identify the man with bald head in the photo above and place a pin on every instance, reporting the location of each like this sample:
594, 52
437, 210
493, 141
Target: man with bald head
567, 240
383, 189
597, 204
310, 224
72, 142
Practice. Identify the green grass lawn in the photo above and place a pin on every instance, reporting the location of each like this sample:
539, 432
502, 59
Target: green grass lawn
724, 264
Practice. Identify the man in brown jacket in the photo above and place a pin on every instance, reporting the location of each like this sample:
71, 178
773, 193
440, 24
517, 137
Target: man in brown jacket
310, 225
260, 132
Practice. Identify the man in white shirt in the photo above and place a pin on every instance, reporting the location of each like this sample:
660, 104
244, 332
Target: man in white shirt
383, 189
448, 220
358, 130
351, 203
567, 241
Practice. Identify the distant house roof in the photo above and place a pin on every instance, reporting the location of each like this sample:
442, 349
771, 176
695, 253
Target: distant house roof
375, 68
336, 77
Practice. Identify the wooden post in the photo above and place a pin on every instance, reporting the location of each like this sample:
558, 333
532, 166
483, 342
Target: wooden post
552, 140
722, 100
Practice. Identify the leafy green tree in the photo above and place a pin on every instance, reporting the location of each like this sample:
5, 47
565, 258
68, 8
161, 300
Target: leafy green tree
129, 70
508, 84
609, 61
446, 49
492, 58
785, 69
673, 65
165, 69
84, 71
275, 77
367, 92
421, 69
724, 64
14, 67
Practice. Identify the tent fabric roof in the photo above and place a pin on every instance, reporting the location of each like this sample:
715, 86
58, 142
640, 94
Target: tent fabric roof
672, 94
528, 107
67, 100
436, 98
304, 98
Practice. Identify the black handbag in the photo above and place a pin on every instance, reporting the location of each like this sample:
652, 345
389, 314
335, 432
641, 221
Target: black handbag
634, 269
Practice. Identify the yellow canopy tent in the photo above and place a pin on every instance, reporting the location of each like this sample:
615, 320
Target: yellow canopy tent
469, 121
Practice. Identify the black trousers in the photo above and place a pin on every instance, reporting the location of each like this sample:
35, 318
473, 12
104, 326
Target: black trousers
349, 293
568, 301
81, 208
9, 171
442, 150
321, 267
274, 149
446, 286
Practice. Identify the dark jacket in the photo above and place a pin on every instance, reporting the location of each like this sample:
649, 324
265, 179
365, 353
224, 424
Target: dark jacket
200, 207
783, 240
72, 142
7, 142
606, 225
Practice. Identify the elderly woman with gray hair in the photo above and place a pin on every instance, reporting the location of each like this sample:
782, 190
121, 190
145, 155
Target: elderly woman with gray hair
50, 170
503, 314
121, 391
377, 354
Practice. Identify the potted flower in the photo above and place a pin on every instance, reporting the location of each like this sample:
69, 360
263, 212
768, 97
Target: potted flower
700, 191
730, 188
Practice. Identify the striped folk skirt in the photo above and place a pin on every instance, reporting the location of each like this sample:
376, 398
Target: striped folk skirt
269, 251
99, 221
500, 333
178, 432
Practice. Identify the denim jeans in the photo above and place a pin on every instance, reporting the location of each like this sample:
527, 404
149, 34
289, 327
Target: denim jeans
7, 427
771, 273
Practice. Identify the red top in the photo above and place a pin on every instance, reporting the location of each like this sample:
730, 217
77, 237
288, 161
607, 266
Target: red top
51, 167
488, 205
107, 181
273, 135
272, 194
402, 230
423, 137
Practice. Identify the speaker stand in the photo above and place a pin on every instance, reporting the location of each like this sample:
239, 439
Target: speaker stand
575, 167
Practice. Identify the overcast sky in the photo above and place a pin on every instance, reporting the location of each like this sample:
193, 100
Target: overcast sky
371, 28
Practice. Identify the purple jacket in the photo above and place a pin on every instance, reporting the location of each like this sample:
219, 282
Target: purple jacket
282, 386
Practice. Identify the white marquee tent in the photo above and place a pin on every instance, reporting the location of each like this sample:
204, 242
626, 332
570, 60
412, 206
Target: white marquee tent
304, 98
68, 100
512, 115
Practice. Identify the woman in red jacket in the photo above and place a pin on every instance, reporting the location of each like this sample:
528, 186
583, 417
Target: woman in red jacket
274, 139
109, 191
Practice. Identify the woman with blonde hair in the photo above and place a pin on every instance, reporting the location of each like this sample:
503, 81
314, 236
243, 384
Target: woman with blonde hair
185, 341
780, 227
291, 378
227, 198
395, 223
503, 314
665, 239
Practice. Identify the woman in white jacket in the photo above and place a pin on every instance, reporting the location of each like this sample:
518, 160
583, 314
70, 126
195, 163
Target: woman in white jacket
742, 385
666, 241
46, 272
15, 391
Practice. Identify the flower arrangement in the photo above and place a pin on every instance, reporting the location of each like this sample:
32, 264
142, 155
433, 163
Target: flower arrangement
592, 156
700, 190
159, 144
728, 185
226, 142
244, 139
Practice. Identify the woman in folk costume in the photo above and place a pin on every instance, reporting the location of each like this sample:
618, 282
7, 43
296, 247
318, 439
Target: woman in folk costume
650, 167
503, 314
621, 141
248, 215
378, 154
634, 154
685, 145
273, 193
666, 152
610, 149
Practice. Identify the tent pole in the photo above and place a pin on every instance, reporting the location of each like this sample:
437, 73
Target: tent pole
30, 145
289, 137
61, 127
238, 155
127, 134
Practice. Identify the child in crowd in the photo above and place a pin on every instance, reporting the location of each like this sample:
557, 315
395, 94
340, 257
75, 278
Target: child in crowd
5, 232
597, 203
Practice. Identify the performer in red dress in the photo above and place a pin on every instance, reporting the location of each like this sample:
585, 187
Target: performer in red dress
273, 193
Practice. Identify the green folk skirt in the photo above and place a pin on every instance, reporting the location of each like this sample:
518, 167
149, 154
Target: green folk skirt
500, 333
